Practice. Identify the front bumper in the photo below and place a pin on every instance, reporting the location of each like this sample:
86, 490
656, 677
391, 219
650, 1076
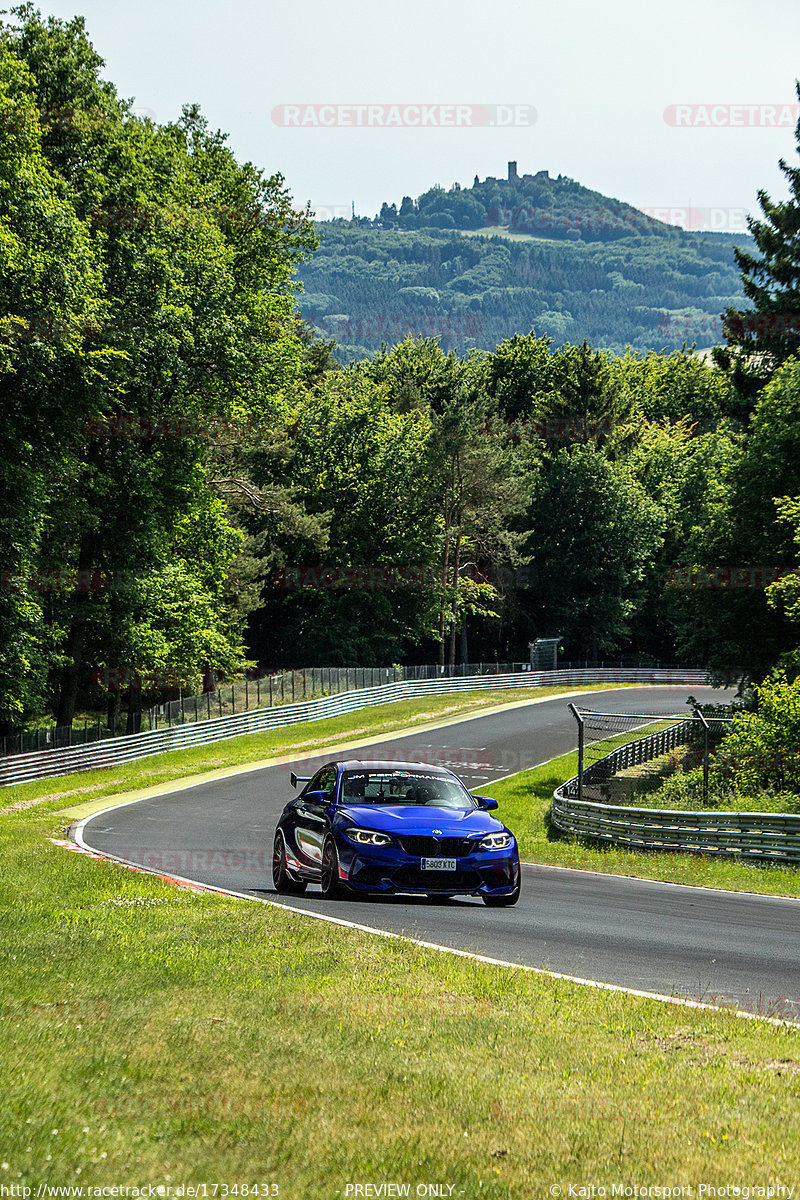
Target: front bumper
389, 869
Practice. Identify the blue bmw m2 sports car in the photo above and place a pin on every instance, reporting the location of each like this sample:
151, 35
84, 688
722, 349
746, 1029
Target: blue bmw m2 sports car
393, 827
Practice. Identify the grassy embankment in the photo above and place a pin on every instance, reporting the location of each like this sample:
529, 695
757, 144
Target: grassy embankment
153, 1035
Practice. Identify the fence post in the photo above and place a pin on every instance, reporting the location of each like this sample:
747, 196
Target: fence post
579, 719
700, 716
246, 694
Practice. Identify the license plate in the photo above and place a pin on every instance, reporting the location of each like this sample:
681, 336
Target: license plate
438, 864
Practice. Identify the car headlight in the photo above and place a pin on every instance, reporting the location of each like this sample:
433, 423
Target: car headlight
496, 841
368, 837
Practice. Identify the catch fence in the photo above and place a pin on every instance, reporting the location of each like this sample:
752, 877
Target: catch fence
591, 804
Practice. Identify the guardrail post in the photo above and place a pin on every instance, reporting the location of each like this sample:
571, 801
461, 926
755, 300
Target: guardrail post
579, 719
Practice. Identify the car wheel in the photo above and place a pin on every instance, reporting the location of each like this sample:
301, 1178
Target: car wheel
281, 878
332, 886
503, 901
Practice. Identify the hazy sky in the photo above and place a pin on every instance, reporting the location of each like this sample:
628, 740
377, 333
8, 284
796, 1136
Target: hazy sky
615, 89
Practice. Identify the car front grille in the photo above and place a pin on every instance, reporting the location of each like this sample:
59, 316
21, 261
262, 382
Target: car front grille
431, 847
415, 878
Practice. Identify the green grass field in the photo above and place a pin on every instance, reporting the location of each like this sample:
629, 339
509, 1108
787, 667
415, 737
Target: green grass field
152, 1035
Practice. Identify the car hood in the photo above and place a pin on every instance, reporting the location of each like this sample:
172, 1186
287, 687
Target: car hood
407, 819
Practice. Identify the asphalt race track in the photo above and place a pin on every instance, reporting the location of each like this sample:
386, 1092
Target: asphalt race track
720, 947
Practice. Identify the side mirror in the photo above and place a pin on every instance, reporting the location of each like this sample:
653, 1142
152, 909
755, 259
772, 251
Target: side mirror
486, 802
295, 779
317, 798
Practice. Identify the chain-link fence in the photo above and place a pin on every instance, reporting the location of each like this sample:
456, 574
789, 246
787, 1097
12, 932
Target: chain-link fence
260, 689
623, 755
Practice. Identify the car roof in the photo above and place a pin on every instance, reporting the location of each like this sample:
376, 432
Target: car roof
370, 764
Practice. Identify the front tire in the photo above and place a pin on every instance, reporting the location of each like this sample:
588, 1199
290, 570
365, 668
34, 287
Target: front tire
503, 901
282, 880
332, 886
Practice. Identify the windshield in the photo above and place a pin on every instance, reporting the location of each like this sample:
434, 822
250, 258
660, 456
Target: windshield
405, 787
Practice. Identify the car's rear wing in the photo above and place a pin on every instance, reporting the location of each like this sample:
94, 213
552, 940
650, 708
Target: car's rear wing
298, 779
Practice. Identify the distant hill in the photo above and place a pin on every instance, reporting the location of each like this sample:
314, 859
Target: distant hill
476, 265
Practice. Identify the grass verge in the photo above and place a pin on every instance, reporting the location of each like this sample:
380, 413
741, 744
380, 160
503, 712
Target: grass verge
300, 740
151, 1035
525, 801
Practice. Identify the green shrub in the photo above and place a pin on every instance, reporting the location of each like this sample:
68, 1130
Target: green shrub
762, 750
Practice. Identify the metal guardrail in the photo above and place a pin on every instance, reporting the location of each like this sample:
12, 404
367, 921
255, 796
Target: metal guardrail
759, 837
43, 764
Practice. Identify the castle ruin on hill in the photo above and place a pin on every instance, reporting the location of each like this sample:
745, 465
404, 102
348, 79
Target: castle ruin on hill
513, 177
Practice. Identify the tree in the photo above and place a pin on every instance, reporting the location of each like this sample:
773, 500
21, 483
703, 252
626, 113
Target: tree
478, 494
594, 535
51, 308
766, 336
784, 594
519, 370
196, 252
737, 548
361, 473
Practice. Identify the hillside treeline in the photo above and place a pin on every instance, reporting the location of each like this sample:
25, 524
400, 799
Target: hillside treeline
592, 269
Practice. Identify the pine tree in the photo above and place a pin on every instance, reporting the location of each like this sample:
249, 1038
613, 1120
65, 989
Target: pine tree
760, 340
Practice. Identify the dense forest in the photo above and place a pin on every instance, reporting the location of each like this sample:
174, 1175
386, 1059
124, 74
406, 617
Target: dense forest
192, 483
473, 266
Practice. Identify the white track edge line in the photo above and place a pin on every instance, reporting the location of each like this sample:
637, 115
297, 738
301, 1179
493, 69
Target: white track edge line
77, 834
